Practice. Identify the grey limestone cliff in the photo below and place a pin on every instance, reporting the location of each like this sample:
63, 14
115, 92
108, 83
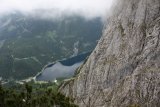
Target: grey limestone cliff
124, 68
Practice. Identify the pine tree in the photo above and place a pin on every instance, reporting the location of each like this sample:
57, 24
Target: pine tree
2, 96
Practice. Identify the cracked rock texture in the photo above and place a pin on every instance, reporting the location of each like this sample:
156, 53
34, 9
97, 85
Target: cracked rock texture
124, 68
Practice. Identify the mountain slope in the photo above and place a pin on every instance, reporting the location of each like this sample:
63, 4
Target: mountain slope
28, 43
124, 68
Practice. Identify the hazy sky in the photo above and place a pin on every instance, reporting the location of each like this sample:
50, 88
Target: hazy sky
88, 8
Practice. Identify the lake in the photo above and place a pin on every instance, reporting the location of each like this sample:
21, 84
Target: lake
63, 68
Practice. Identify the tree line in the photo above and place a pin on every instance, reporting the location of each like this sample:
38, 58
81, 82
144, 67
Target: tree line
27, 97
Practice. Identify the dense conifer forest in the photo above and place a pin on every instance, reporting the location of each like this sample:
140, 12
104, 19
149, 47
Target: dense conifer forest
33, 95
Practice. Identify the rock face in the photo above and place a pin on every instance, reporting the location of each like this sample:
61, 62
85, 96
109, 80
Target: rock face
124, 68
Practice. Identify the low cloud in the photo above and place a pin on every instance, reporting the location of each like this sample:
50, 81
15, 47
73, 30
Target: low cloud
54, 8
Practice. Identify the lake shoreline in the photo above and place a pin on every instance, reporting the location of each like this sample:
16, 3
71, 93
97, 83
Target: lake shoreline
46, 66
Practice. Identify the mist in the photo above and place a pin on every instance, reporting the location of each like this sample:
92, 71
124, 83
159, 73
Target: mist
56, 8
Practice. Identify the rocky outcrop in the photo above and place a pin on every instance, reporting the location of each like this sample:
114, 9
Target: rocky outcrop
124, 68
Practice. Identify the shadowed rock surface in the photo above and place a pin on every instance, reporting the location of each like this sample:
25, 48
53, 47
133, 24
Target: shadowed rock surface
124, 68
